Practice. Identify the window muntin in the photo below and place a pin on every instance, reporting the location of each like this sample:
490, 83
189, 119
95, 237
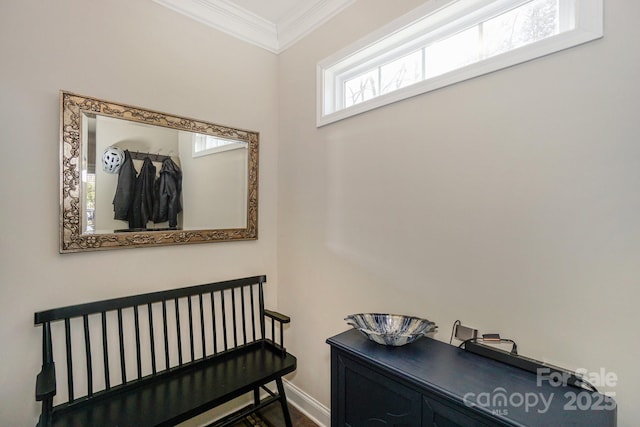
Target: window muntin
447, 44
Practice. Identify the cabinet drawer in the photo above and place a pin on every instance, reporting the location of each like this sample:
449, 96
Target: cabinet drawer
374, 400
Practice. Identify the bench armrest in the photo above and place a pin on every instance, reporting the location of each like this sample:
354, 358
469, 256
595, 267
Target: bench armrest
277, 316
281, 319
46, 382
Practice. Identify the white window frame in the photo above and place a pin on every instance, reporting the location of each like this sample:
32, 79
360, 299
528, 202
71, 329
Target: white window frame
231, 144
435, 20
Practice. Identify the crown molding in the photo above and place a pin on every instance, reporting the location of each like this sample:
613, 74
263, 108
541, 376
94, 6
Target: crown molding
305, 18
228, 18
241, 23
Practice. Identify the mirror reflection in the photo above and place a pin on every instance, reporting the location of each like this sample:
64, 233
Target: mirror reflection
206, 175
133, 177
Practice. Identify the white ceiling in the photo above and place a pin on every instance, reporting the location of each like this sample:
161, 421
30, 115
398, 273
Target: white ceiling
274, 25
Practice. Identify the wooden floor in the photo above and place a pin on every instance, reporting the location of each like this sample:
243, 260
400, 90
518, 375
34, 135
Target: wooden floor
272, 415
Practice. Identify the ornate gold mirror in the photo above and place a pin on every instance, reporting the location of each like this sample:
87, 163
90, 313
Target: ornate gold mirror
205, 175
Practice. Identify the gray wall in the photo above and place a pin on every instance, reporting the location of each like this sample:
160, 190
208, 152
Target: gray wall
511, 202
128, 51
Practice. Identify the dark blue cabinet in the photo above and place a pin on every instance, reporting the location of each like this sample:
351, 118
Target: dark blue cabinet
436, 412
432, 384
371, 399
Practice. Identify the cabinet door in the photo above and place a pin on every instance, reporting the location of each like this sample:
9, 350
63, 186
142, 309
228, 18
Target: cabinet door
436, 413
370, 399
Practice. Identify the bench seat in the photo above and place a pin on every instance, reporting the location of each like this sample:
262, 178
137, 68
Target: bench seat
179, 395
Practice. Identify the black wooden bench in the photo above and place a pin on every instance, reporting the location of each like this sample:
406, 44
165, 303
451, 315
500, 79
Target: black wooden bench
161, 358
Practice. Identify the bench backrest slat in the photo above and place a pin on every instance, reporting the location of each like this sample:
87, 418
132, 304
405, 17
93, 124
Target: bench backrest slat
135, 345
123, 366
105, 350
67, 335
233, 316
202, 327
193, 353
224, 322
136, 318
166, 332
87, 347
253, 316
178, 332
215, 326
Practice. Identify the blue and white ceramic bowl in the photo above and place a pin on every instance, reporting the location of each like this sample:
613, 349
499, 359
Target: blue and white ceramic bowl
390, 329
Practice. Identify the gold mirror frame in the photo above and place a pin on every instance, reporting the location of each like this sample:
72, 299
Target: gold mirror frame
72, 107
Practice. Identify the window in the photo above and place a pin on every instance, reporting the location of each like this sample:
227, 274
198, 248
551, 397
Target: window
203, 145
89, 223
445, 42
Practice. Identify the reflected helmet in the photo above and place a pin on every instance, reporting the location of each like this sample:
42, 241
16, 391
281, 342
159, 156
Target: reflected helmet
112, 159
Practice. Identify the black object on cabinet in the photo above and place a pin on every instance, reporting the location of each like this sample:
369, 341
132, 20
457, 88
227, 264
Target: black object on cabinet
430, 383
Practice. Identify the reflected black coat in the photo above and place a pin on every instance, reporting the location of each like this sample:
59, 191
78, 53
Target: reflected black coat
167, 194
142, 206
125, 190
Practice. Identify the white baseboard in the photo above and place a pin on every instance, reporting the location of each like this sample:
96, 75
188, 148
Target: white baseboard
316, 411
